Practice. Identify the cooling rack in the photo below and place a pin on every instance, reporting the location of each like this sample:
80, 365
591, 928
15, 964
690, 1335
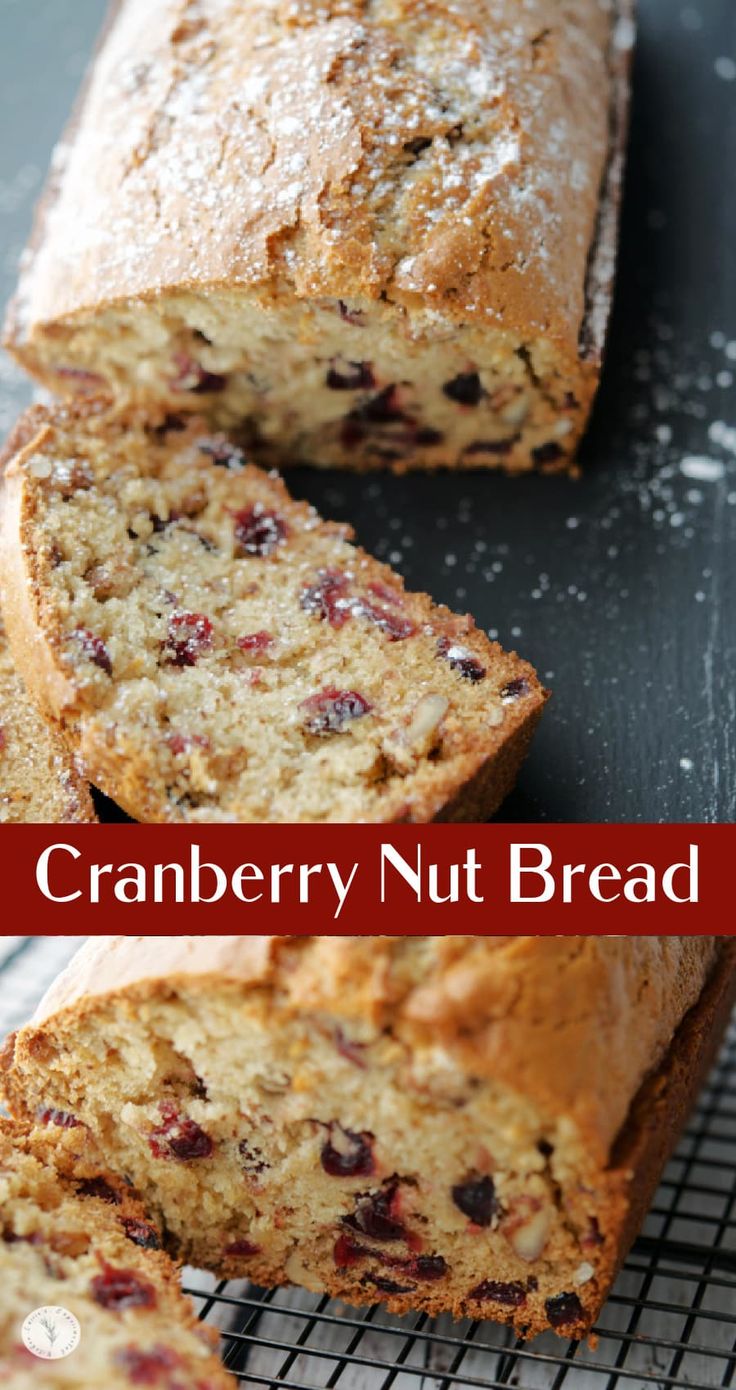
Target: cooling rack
670, 1321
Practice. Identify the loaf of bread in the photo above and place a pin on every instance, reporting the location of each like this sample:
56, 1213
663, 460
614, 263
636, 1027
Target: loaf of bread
211, 650
472, 1124
38, 777
74, 1241
378, 234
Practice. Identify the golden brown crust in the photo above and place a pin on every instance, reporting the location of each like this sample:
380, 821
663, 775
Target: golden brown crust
663, 1104
573, 1023
334, 61
39, 780
342, 155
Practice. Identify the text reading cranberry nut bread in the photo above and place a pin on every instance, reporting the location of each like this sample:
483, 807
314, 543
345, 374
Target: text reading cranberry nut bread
380, 234
437, 1123
213, 651
73, 1235
38, 777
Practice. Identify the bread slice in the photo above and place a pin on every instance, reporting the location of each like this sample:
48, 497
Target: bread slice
39, 780
463, 1124
380, 234
75, 1240
213, 651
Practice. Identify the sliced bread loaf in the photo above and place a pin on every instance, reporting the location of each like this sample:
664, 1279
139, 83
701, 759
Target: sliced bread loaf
214, 651
78, 1250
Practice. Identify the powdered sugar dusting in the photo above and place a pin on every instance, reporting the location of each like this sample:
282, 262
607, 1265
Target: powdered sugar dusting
332, 145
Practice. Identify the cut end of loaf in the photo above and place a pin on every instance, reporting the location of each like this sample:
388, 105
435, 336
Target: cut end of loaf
361, 385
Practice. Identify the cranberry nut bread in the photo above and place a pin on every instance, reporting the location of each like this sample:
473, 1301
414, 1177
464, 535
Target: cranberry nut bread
380, 234
72, 1236
463, 1124
38, 777
211, 650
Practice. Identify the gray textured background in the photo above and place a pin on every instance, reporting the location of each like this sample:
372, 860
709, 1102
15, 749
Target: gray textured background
621, 588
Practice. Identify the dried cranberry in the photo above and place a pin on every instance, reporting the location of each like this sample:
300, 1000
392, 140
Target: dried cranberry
491, 446
223, 452
347, 1252
258, 531
354, 316
179, 1137
147, 1367
255, 642
351, 433
396, 629
327, 597
426, 1267
353, 1051
476, 1199
253, 1160
189, 636
331, 710
593, 1234
563, 1309
80, 374
357, 377
192, 376
99, 1187
461, 660
347, 1154
416, 146
121, 1288
512, 1294
386, 1285
547, 453
375, 1216
465, 389
94, 649
183, 743
242, 1247
141, 1233
426, 436
61, 1118
514, 690
3, 739
379, 410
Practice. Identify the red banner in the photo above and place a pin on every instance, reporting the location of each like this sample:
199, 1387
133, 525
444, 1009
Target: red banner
350, 879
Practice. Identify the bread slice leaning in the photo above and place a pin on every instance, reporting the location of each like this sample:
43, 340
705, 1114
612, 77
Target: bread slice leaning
212, 650
77, 1247
39, 781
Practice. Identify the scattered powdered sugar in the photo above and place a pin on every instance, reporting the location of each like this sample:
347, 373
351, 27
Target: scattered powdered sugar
704, 470
725, 69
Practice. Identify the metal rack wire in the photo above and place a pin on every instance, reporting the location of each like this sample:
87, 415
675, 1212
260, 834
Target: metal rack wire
670, 1321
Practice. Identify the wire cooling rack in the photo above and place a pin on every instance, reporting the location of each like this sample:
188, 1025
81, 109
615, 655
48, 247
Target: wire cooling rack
670, 1321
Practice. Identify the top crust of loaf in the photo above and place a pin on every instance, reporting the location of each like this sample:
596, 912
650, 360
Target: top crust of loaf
574, 1024
222, 145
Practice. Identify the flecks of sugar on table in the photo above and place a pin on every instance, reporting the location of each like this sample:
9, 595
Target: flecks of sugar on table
725, 69
686, 764
702, 469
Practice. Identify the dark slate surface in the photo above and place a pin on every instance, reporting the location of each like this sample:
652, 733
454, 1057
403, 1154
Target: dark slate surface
621, 587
